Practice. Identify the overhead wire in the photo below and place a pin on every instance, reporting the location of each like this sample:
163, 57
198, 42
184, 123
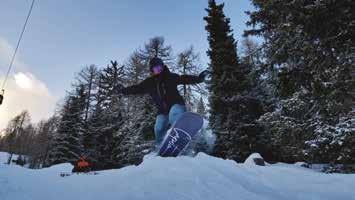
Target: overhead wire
17, 47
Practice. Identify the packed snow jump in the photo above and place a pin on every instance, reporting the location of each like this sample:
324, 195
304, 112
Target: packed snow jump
151, 101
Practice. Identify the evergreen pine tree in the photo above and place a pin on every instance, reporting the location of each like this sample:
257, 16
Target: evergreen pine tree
107, 118
87, 78
230, 109
309, 43
67, 145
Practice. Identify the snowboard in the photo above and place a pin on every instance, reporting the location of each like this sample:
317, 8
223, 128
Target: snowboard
181, 134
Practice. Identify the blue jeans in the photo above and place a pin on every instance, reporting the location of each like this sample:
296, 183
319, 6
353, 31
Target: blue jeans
162, 122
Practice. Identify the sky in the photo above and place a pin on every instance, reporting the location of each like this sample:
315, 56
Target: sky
64, 36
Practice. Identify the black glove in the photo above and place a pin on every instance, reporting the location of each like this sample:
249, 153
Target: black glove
202, 76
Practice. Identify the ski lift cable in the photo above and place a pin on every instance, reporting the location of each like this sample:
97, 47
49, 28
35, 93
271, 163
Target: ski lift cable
17, 46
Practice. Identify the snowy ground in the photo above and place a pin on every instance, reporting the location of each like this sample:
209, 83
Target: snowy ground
183, 178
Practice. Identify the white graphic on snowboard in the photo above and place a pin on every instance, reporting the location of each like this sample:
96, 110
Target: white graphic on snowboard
175, 135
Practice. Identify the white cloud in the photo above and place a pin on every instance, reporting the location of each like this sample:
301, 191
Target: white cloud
23, 90
23, 81
36, 99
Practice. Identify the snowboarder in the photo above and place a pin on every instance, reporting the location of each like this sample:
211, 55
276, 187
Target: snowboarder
162, 87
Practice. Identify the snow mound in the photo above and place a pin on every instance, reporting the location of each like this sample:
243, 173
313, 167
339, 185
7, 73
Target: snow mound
302, 164
254, 159
201, 177
5, 156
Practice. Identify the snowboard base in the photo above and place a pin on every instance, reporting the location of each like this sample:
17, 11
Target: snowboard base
181, 134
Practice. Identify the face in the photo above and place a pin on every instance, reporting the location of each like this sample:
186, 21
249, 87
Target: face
156, 70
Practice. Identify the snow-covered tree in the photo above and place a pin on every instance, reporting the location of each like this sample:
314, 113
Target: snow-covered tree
308, 43
45, 132
107, 117
87, 78
232, 111
16, 137
67, 145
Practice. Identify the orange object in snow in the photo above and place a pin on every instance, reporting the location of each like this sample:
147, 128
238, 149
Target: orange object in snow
82, 163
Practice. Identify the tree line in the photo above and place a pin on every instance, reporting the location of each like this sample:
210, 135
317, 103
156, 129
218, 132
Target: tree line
288, 97
97, 122
292, 97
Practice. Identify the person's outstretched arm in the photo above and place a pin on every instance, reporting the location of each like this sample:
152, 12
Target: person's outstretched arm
140, 88
192, 79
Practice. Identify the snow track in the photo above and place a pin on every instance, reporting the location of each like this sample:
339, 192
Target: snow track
183, 178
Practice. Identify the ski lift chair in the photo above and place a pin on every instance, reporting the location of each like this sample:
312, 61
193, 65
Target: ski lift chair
1, 96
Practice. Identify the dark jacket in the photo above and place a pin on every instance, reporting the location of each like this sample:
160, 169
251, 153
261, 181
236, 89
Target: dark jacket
163, 89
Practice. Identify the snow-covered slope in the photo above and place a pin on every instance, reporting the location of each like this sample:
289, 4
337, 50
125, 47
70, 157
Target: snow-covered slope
202, 177
5, 156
